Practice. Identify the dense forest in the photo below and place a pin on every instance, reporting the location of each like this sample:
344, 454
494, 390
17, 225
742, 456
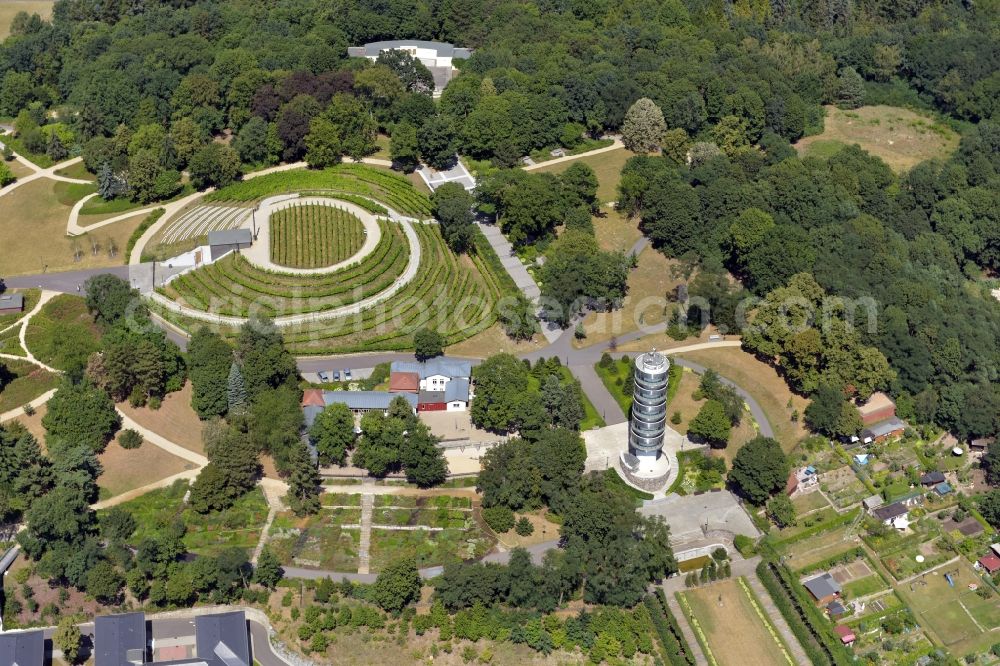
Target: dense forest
145, 90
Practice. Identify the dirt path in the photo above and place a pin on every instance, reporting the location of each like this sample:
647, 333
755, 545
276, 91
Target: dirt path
163, 442
569, 158
364, 558
188, 474
45, 297
273, 490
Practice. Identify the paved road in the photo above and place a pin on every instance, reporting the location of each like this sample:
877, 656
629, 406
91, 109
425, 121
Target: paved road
579, 361
66, 281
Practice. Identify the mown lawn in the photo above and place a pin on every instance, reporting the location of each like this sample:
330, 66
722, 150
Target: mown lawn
63, 334
607, 167
33, 232
25, 381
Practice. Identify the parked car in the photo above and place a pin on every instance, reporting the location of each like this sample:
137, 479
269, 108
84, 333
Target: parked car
336, 375
347, 374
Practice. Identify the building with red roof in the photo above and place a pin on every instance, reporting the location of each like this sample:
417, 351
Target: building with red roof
847, 636
313, 398
991, 563
404, 382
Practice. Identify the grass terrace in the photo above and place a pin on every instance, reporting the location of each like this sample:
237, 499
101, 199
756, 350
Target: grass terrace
314, 236
455, 294
234, 286
382, 185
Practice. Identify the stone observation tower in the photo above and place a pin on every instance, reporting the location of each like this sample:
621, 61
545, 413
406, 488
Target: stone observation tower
644, 464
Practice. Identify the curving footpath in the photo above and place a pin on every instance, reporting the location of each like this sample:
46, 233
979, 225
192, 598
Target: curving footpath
40, 173
73, 227
260, 252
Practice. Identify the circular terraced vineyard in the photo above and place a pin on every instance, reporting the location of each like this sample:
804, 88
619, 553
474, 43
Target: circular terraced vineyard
372, 295
234, 287
314, 236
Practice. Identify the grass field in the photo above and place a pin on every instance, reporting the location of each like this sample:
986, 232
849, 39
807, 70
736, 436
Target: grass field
733, 630
314, 236
239, 526
18, 169
900, 137
63, 334
8, 8
317, 541
810, 550
33, 233
808, 502
77, 170
607, 166
648, 285
952, 613
763, 383
614, 231
125, 470
175, 419
27, 382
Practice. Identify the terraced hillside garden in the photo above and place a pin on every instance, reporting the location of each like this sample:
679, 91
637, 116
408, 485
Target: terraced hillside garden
233, 286
457, 295
362, 184
314, 236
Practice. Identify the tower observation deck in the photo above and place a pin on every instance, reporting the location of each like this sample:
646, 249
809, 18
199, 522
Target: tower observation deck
649, 407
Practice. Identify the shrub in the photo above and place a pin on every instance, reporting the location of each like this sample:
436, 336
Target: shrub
523, 527
499, 518
129, 439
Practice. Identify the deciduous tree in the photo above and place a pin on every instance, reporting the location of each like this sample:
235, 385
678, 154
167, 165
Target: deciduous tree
760, 469
643, 127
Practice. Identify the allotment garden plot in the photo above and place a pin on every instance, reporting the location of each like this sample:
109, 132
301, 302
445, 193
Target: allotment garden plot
431, 530
962, 619
731, 627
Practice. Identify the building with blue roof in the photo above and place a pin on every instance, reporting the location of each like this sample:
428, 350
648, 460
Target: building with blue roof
440, 384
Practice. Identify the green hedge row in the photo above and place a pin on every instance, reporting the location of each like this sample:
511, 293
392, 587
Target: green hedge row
840, 558
810, 626
676, 649
835, 522
144, 226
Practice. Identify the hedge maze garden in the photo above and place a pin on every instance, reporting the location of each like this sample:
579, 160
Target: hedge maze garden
314, 236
